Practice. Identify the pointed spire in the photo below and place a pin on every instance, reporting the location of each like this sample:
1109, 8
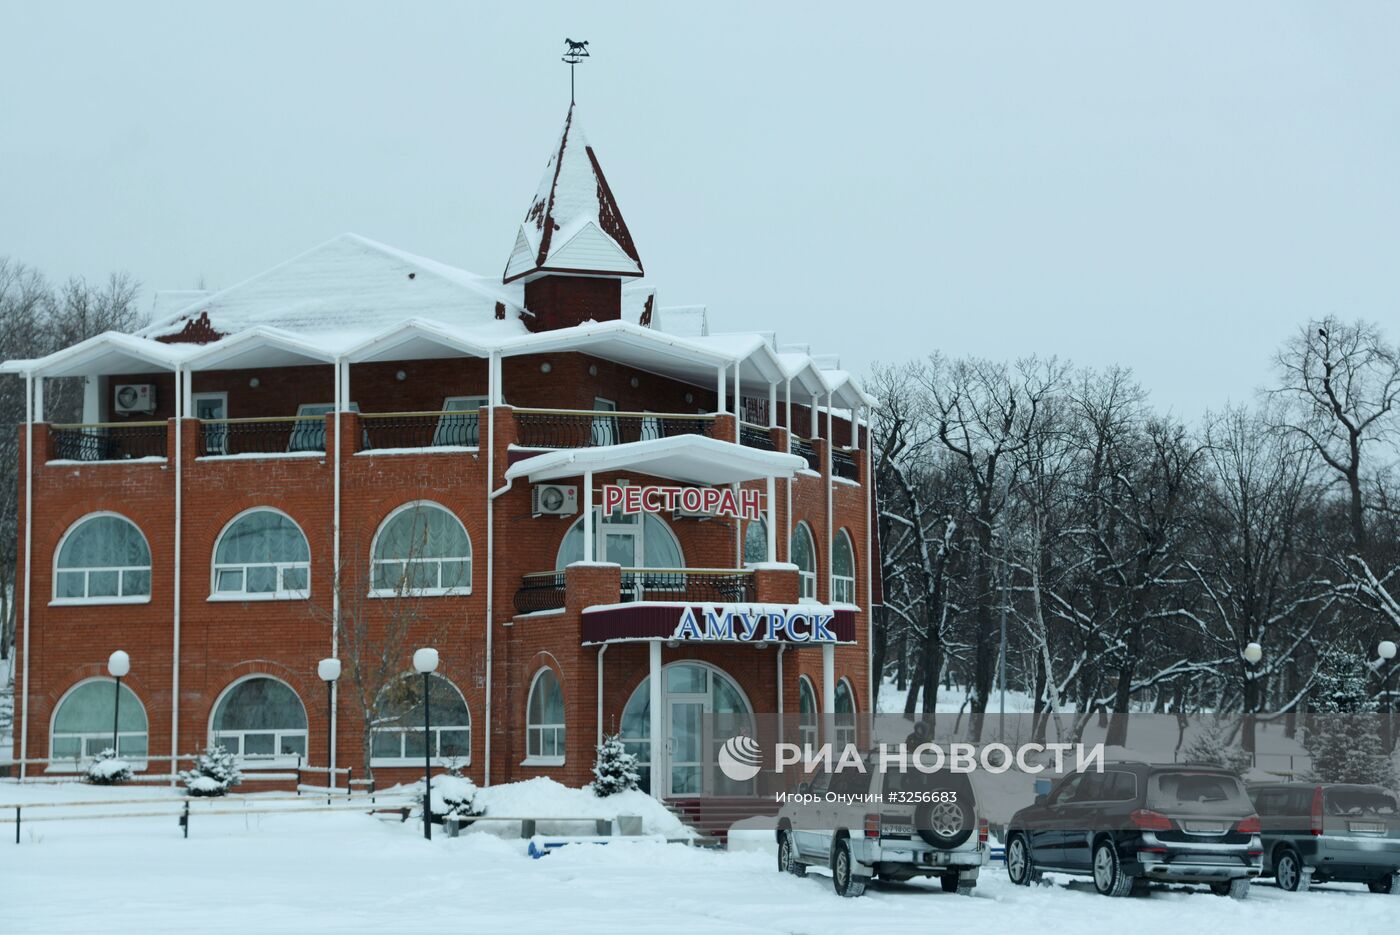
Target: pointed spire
574, 226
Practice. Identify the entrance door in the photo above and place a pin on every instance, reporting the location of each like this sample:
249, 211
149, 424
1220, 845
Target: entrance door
684, 772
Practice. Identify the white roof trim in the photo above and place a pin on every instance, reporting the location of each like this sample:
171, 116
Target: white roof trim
91, 357
694, 459
231, 353
383, 345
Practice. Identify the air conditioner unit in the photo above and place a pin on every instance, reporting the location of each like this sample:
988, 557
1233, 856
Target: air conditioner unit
679, 513
135, 397
553, 500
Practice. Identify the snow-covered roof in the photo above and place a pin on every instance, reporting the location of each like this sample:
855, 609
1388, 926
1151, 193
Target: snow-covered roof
691, 321
349, 283
694, 459
573, 224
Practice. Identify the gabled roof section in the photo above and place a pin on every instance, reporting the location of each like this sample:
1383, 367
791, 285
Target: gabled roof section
348, 285
574, 224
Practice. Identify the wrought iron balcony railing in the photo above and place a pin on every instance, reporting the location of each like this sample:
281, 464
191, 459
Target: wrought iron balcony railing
542, 590
800, 447
276, 435
755, 436
693, 585
844, 464
420, 430
561, 428
119, 441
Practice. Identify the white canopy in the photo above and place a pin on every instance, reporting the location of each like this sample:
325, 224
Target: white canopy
692, 459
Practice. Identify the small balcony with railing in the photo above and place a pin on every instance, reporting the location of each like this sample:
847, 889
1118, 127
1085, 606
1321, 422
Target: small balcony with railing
548, 590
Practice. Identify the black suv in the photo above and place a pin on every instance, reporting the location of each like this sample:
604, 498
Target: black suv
1319, 832
1137, 822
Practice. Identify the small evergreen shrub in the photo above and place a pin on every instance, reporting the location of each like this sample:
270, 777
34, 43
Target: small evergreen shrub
215, 772
614, 770
108, 769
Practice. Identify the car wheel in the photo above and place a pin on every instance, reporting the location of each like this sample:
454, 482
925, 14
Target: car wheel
843, 874
1289, 874
1389, 884
1235, 889
1109, 878
944, 825
1019, 866
787, 856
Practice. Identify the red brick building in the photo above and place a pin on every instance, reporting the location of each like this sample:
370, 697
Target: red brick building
360, 452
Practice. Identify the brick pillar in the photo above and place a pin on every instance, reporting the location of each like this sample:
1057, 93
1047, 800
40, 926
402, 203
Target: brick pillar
775, 585
351, 434
726, 427
590, 585
506, 433
186, 433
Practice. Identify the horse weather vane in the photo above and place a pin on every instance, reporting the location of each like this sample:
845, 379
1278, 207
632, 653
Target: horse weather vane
574, 52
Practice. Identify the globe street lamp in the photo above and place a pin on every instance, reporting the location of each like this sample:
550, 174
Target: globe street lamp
329, 671
1386, 651
118, 665
425, 661
1252, 653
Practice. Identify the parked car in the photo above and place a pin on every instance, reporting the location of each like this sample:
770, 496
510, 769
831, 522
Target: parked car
894, 825
1136, 822
1320, 832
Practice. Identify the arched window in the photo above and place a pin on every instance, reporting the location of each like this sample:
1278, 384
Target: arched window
421, 548
806, 713
262, 555
103, 559
544, 720
398, 725
260, 718
636, 540
756, 542
82, 723
843, 570
845, 704
804, 555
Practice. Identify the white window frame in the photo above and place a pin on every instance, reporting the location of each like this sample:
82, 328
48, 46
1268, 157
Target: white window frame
807, 733
844, 733
447, 407
843, 587
261, 760
121, 570
374, 562
281, 568
304, 416
435, 729
211, 432
806, 580
533, 730
604, 426
101, 739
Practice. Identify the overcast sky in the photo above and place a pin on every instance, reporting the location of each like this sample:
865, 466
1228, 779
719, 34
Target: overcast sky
1169, 186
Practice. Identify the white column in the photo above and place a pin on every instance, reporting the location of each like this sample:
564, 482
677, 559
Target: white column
186, 379
828, 693
816, 423
38, 399
782, 647
738, 394
340, 371
29, 381
773, 405
772, 521
588, 516
720, 401
92, 400
601, 651
658, 739
738, 532
787, 403
182, 412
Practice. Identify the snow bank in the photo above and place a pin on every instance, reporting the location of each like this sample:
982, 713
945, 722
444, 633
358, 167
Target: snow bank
544, 798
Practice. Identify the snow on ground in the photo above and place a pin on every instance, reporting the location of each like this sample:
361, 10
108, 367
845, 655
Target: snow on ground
345, 872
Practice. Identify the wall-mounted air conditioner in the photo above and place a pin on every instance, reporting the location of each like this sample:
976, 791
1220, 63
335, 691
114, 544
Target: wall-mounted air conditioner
135, 397
553, 500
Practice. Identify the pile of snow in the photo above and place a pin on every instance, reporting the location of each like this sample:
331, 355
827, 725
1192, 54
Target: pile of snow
108, 769
452, 795
542, 798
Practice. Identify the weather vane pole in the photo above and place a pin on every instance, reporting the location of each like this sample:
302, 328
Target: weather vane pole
574, 52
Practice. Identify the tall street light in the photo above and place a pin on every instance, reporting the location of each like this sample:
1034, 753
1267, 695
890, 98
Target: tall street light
1251, 654
329, 671
1386, 651
425, 661
118, 665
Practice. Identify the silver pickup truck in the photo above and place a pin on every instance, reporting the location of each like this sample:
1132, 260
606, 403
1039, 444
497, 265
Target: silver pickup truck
891, 825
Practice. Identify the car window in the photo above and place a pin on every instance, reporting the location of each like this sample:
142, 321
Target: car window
819, 783
1065, 791
1090, 788
1119, 787
1186, 789
1353, 801
1271, 801
850, 782
914, 780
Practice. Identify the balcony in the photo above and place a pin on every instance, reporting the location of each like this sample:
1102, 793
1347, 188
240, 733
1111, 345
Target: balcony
844, 464
756, 436
414, 430
572, 428
548, 590
282, 435
807, 452
121, 441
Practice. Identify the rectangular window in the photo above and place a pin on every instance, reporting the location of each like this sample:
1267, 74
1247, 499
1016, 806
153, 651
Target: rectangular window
463, 429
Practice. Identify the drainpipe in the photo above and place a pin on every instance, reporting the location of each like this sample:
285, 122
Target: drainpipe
830, 511
870, 563
341, 381
601, 651
782, 647
787, 395
28, 564
183, 381
493, 395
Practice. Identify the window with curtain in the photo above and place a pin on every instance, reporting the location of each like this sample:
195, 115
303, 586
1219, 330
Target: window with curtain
104, 559
261, 717
806, 713
756, 542
262, 555
843, 570
845, 718
398, 735
545, 719
82, 725
422, 549
804, 556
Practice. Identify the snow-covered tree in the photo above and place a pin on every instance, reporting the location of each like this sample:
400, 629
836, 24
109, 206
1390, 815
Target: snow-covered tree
1343, 737
215, 772
1211, 746
108, 769
453, 794
614, 770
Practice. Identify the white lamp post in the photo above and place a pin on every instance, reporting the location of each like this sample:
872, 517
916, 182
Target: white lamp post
329, 671
1252, 653
425, 661
118, 665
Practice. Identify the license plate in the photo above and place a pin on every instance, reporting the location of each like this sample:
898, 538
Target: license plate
1372, 827
1204, 827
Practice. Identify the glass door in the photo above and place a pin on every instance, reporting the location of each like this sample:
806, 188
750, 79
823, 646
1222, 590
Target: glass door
684, 767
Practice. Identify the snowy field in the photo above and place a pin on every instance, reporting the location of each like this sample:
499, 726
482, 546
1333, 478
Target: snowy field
346, 872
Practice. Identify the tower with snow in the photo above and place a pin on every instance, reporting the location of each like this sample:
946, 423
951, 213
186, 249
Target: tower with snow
269, 473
